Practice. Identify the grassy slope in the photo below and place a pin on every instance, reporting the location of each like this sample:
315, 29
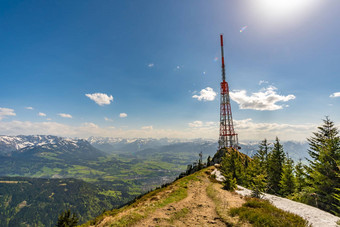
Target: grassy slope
160, 199
148, 203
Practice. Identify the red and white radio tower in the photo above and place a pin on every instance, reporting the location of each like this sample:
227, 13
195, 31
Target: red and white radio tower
228, 137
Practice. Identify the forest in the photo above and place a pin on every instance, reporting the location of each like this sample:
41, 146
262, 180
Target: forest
271, 170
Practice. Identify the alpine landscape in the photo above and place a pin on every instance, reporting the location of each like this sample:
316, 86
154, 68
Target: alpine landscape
169, 113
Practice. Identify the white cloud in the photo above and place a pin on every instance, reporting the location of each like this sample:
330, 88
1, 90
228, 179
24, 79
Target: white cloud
210, 123
147, 127
64, 115
265, 99
122, 115
201, 124
206, 94
250, 130
6, 112
107, 119
90, 125
335, 95
29, 108
195, 124
41, 114
247, 129
49, 119
100, 98
150, 65
263, 82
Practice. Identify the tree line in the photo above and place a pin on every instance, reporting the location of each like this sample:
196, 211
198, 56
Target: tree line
271, 170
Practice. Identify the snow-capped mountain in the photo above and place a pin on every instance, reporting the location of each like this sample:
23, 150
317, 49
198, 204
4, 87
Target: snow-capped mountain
296, 150
109, 144
19, 144
14, 145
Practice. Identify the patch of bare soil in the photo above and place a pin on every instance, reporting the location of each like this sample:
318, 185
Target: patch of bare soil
195, 210
198, 209
224, 201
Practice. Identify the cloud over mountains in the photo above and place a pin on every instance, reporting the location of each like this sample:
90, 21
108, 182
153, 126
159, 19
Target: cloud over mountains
6, 112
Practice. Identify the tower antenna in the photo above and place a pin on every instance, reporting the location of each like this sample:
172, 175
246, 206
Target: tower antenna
228, 138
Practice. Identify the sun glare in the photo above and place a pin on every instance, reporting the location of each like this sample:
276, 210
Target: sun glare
284, 9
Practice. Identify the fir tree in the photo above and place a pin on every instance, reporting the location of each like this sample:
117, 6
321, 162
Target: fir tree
67, 220
258, 186
229, 183
275, 165
262, 154
300, 179
232, 163
200, 164
256, 177
323, 171
209, 163
287, 183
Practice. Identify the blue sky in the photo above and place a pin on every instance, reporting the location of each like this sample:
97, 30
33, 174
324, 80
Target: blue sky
160, 62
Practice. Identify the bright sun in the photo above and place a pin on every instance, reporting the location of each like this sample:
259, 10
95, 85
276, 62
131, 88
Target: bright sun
284, 9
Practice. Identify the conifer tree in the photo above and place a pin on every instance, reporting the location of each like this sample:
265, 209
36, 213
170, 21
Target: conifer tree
262, 154
300, 179
323, 171
275, 165
287, 183
232, 164
256, 177
209, 161
67, 220
230, 182
200, 162
258, 186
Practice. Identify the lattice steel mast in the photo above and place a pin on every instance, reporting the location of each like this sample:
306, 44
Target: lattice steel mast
228, 137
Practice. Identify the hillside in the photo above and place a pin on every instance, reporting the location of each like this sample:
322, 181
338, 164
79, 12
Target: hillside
195, 200
130, 169
37, 201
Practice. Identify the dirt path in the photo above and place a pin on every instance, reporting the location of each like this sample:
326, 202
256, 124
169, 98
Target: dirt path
195, 210
206, 204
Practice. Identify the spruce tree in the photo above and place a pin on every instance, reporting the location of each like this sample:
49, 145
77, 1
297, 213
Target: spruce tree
209, 163
232, 166
300, 178
256, 177
275, 165
262, 154
323, 171
258, 186
287, 182
65, 219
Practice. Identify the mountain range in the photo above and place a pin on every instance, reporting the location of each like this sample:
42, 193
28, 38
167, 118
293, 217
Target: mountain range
117, 168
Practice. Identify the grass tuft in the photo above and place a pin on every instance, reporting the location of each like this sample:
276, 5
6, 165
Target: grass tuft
262, 213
